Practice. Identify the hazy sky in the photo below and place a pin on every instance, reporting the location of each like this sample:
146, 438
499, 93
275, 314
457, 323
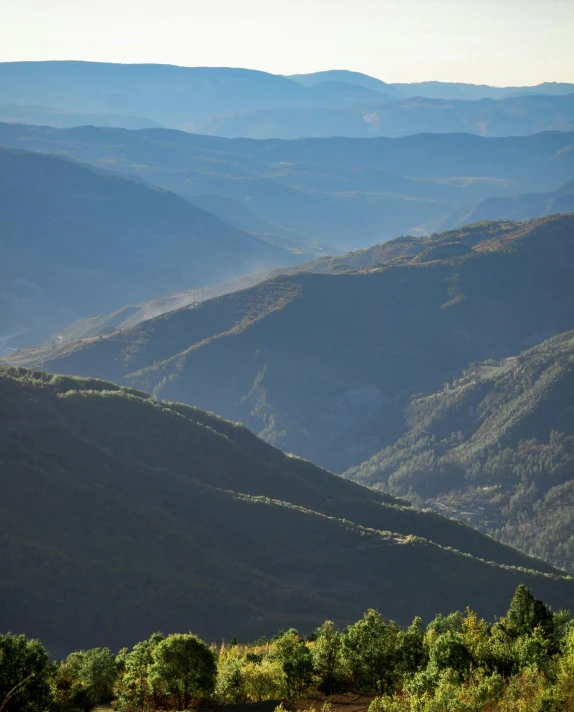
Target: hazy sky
499, 42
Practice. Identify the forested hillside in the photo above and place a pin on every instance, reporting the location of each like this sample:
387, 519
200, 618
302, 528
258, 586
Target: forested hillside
400, 247
323, 364
120, 514
495, 447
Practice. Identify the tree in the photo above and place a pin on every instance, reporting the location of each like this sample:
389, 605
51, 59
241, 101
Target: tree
449, 651
98, 674
183, 668
412, 654
295, 660
24, 674
264, 680
230, 684
133, 689
527, 613
370, 653
327, 655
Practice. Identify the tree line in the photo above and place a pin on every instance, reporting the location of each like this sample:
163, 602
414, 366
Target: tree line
523, 662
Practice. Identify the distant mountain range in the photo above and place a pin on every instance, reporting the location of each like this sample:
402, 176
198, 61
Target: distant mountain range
241, 102
44, 116
345, 193
516, 116
433, 90
130, 515
514, 207
173, 96
77, 242
323, 365
357, 79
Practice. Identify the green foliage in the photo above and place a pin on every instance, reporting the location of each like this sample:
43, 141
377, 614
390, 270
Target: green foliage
370, 652
458, 663
326, 654
183, 669
133, 690
295, 659
24, 674
85, 679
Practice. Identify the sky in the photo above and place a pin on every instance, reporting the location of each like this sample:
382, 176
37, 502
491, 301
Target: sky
498, 42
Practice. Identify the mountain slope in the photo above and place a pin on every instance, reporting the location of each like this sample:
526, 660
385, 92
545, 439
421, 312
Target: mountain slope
348, 193
515, 207
495, 447
387, 252
344, 75
319, 364
127, 514
76, 243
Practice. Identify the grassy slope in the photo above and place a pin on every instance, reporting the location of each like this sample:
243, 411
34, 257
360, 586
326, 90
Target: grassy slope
121, 514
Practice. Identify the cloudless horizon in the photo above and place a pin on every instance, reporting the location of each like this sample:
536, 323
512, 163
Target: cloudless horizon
496, 42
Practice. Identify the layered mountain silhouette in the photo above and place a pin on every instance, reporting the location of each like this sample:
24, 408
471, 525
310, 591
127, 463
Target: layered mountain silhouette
322, 365
44, 116
514, 207
77, 242
346, 193
120, 514
180, 97
515, 116
432, 89
173, 96
357, 79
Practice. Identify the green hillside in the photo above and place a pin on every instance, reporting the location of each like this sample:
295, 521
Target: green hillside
494, 447
120, 514
322, 364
